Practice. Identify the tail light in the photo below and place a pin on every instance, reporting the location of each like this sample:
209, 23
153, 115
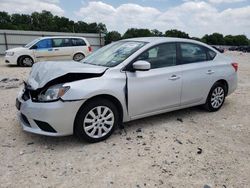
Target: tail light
90, 49
235, 66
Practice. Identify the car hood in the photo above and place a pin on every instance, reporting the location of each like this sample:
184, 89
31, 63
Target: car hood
15, 49
43, 73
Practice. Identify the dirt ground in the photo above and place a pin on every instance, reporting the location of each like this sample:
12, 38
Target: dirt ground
185, 148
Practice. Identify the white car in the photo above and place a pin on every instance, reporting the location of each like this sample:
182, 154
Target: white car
48, 49
123, 81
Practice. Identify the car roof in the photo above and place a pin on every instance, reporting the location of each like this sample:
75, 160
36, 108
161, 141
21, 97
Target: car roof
156, 40
56, 37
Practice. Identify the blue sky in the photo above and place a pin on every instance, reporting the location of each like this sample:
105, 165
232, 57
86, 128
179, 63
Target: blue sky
197, 17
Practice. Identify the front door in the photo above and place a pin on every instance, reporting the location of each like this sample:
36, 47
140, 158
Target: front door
43, 50
159, 88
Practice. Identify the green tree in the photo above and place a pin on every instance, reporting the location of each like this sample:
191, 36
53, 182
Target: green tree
240, 40
112, 36
214, 39
133, 32
102, 28
176, 33
156, 33
5, 21
229, 40
21, 21
80, 27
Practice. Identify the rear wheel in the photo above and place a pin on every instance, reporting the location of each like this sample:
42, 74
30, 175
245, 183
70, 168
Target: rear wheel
78, 57
96, 120
216, 97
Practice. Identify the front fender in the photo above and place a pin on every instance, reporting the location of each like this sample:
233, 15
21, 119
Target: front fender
88, 88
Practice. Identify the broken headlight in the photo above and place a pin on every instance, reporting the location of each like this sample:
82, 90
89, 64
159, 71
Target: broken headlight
53, 93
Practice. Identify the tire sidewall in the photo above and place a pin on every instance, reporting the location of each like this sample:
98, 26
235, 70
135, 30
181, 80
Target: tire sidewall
24, 65
77, 54
208, 102
83, 111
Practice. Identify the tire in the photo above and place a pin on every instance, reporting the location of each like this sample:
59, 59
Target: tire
92, 126
25, 61
78, 57
216, 97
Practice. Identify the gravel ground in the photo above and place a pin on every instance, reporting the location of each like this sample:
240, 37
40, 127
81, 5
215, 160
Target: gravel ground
185, 148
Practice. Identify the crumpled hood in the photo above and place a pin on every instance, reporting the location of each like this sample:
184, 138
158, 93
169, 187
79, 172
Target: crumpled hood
44, 72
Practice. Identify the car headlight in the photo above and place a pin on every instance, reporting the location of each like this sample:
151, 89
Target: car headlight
53, 93
9, 53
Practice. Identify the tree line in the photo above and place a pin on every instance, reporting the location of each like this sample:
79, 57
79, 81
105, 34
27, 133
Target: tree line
213, 39
46, 21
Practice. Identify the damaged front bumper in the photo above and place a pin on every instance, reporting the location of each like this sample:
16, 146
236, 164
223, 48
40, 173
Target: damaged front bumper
48, 118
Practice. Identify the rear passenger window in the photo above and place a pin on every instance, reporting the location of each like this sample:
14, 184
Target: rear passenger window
163, 55
78, 42
192, 53
64, 42
57, 42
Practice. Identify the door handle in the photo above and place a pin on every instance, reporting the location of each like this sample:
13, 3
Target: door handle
50, 49
210, 72
56, 49
174, 77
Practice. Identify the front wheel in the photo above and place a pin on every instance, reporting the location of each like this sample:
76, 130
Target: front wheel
26, 61
96, 120
216, 97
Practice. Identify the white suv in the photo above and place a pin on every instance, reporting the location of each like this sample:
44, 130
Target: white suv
47, 49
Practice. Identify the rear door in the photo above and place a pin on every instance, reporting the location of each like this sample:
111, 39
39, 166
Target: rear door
62, 48
159, 88
197, 73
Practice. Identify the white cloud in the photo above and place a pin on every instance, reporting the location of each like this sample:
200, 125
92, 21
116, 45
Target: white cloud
225, 1
195, 17
29, 6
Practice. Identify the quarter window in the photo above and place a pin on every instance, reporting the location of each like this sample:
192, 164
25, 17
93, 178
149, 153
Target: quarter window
192, 53
163, 55
211, 54
78, 42
46, 43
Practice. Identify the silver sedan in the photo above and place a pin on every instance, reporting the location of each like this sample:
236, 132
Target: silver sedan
123, 81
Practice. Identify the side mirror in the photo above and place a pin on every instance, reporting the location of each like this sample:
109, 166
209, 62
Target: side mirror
141, 65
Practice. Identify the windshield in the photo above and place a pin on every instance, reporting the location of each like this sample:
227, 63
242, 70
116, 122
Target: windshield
113, 54
31, 43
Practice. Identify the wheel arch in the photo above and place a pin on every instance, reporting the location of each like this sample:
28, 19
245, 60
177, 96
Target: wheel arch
112, 99
223, 82
21, 56
79, 52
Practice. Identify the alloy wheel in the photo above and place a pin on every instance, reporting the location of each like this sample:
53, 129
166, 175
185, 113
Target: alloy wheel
78, 57
98, 122
217, 97
27, 61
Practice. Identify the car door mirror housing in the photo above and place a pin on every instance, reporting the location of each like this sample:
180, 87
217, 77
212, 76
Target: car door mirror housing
141, 66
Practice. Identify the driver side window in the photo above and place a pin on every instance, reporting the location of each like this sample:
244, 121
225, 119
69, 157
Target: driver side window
163, 55
46, 43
